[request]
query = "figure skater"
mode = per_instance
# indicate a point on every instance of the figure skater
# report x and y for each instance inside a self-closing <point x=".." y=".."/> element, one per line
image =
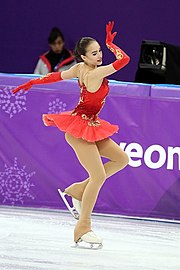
<point x="85" y="132"/>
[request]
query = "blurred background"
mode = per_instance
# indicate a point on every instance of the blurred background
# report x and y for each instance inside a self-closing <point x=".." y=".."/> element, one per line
<point x="25" y="26"/>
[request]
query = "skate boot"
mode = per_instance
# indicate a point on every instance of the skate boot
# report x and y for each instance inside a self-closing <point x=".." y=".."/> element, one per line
<point x="84" y="235"/>
<point x="75" y="209"/>
<point x="77" y="205"/>
<point x="76" y="192"/>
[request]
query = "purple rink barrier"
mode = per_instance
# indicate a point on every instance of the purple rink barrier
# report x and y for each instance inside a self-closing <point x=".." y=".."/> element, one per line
<point x="35" y="160"/>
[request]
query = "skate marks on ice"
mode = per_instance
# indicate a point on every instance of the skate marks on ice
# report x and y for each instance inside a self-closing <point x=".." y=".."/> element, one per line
<point x="42" y="240"/>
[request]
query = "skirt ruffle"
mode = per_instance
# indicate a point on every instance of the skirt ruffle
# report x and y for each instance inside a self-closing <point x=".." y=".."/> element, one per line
<point x="75" y="125"/>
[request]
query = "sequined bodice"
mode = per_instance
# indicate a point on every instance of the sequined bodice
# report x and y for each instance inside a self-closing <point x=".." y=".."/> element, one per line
<point x="90" y="103"/>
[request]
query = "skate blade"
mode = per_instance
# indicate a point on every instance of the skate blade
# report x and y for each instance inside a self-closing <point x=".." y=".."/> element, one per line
<point x="84" y="245"/>
<point x="72" y="210"/>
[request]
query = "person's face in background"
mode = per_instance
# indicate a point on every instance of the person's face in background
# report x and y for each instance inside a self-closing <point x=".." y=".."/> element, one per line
<point x="57" y="45"/>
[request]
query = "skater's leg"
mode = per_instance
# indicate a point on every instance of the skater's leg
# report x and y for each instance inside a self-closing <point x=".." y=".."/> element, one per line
<point x="76" y="189"/>
<point x="111" y="150"/>
<point x="118" y="160"/>
<point x="89" y="157"/>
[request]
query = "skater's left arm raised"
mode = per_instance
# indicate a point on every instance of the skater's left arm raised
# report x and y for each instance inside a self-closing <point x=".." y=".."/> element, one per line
<point x="122" y="59"/>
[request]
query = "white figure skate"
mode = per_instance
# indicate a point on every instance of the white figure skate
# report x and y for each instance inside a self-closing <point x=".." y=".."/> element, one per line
<point x="75" y="210"/>
<point x="90" y="241"/>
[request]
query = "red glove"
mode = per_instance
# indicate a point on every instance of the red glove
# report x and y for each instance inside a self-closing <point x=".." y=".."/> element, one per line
<point x="122" y="57"/>
<point x="49" y="78"/>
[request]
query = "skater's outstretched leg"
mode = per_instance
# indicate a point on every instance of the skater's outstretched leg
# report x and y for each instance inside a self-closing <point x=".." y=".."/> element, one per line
<point x="90" y="159"/>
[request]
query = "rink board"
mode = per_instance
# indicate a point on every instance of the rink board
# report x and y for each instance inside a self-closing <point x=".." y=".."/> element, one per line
<point x="35" y="160"/>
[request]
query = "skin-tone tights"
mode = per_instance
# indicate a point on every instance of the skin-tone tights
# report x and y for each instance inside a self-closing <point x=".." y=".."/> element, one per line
<point x="89" y="155"/>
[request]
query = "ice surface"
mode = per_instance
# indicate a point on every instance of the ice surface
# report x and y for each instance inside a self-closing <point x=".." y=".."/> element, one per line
<point x="41" y="239"/>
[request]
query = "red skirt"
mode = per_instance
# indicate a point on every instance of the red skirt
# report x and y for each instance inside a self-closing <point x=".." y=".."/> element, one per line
<point x="81" y="126"/>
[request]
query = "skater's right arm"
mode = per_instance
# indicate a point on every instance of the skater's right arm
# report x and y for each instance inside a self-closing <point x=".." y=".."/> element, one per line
<point x="70" y="73"/>
<point x="49" y="78"/>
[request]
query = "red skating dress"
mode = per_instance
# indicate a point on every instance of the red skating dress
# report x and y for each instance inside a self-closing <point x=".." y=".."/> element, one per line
<point x="83" y="122"/>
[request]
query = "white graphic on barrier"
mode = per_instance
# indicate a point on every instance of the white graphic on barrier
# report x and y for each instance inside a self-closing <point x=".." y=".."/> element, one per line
<point x="56" y="106"/>
<point x="15" y="184"/>
<point x="170" y="156"/>
<point x="10" y="103"/>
